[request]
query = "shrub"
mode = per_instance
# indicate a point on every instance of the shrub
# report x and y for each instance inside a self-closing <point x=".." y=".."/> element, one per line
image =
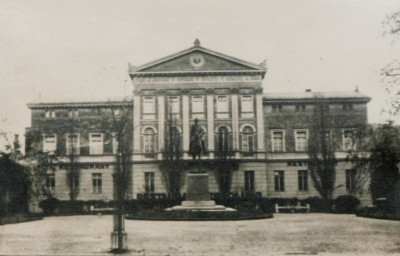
<point x="49" y="205"/>
<point x="346" y="204"/>
<point x="318" y="204"/>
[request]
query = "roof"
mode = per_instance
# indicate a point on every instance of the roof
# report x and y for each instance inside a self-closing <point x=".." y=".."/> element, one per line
<point x="146" y="69"/>
<point x="85" y="104"/>
<point x="307" y="96"/>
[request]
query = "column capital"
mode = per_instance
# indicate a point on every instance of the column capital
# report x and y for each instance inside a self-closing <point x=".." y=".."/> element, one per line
<point x="258" y="90"/>
<point x="234" y="90"/>
<point x="161" y="91"/>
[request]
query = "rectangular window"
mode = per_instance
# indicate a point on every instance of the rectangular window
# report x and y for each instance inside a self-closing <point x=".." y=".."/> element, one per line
<point x="303" y="180"/>
<point x="174" y="104"/>
<point x="96" y="143"/>
<point x="114" y="143"/>
<point x="348" y="143"/>
<point x="278" y="141"/>
<point x="300" y="108"/>
<point x="350" y="179"/>
<point x="328" y="136"/>
<point x="149" y="182"/>
<point x="149" y="107"/>
<point x="347" y="107"/>
<point x="174" y="107"/>
<point x="49" y="143"/>
<point x="97" y="183"/>
<point x="279" y="178"/>
<point x="51" y="182"/>
<point x="301" y="140"/>
<point x="73" y="113"/>
<point x="249" y="181"/>
<point x="72" y="143"/>
<point x="247" y="103"/>
<point x="222" y="104"/>
<point x="198" y="107"/>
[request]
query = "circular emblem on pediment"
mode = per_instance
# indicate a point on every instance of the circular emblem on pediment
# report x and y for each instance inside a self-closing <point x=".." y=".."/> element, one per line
<point x="197" y="60"/>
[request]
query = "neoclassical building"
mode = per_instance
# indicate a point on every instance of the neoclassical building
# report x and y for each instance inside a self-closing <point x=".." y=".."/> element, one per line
<point x="264" y="134"/>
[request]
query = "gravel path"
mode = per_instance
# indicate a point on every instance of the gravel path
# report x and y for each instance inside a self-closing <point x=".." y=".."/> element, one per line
<point x="285" y="234"/>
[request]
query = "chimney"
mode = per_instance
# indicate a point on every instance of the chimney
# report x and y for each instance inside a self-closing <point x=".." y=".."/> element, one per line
<point x="308" y="90"/>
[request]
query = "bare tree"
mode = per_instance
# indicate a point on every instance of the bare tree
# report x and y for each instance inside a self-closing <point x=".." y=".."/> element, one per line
<point x="321" y="151"/>
<point x="41" y="163"/>
<point x="172" y="166"/>
<point x="73" y="150"/>
<point x="224" y="166"/>
<point x="361" y="169"/>
<point x="117" y="121"/>
<point x="391" y="72"/>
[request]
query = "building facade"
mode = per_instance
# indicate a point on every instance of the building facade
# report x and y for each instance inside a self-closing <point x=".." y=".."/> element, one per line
<point x="264" y="134"/>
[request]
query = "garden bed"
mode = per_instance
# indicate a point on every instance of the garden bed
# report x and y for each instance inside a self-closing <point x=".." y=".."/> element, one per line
<point x="244" y="214"/>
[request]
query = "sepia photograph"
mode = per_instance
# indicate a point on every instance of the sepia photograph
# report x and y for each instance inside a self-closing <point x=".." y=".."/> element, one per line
<point x="163" y="128"/>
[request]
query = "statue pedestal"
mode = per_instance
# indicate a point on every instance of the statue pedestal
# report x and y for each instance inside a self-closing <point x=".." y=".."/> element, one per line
<point x="197" y="196"/>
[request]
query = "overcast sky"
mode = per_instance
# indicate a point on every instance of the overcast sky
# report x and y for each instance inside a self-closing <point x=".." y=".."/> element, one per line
<point x="79" y="50"/>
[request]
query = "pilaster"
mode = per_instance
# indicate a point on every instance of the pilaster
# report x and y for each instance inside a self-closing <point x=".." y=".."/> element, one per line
<point x="235" y="122"/>
<point x="161" y="123"/>
<point x="185" y="124"/>
<point x="136" y="124"/>
<point x="260" y="123"/>
<point x="210" y="125"/>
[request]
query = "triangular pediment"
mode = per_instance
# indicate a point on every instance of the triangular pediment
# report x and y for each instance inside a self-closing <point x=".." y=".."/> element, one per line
<point x="197" y="58"/>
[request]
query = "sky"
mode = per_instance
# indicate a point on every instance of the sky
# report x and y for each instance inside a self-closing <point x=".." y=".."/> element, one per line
<point x="79" y="50"/>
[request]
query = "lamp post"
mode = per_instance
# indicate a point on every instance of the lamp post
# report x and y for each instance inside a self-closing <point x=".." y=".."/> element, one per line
<point x="118" y="236"/>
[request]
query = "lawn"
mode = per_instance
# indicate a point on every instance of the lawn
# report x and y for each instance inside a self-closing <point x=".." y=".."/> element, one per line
<point x="285" y="234"/>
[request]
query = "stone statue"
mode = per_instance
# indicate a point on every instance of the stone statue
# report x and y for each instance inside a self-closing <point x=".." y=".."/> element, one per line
<point x="197" y="145"/>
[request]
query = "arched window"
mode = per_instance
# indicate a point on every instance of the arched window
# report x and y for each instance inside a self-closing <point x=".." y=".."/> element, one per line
<point x="149" y="141"/>
<point x="248" y="140"/>
<point x="223" y="142"/>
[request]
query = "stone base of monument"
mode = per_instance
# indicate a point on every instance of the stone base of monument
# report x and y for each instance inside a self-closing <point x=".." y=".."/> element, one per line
<point x="197" y="196"/>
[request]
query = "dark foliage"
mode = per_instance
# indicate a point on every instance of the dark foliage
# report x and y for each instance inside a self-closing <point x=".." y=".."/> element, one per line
<point x="318" y="204"/>
<point x="49" y="205"/>
<point x="346" y="204"/>
<point x="242" y="214"/>
<point x="14" y="185"/>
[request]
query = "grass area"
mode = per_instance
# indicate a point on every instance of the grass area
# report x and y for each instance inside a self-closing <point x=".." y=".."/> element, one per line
<point x="285" y="234"/>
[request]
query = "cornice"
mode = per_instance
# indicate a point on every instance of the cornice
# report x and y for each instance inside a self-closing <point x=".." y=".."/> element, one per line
<point x="73" y="105"/>
<point x="311" y="101"/>
<point x="198" y="73"/>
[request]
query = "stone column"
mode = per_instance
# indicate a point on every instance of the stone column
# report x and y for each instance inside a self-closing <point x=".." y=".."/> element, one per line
<point x="235" y="124"/>
<point x="210" y="125"/>
<point x="185" y="125"/>
<point x="161" y="124"/>
<point x="260" y="123"/>
<point x="136" y="127"/>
